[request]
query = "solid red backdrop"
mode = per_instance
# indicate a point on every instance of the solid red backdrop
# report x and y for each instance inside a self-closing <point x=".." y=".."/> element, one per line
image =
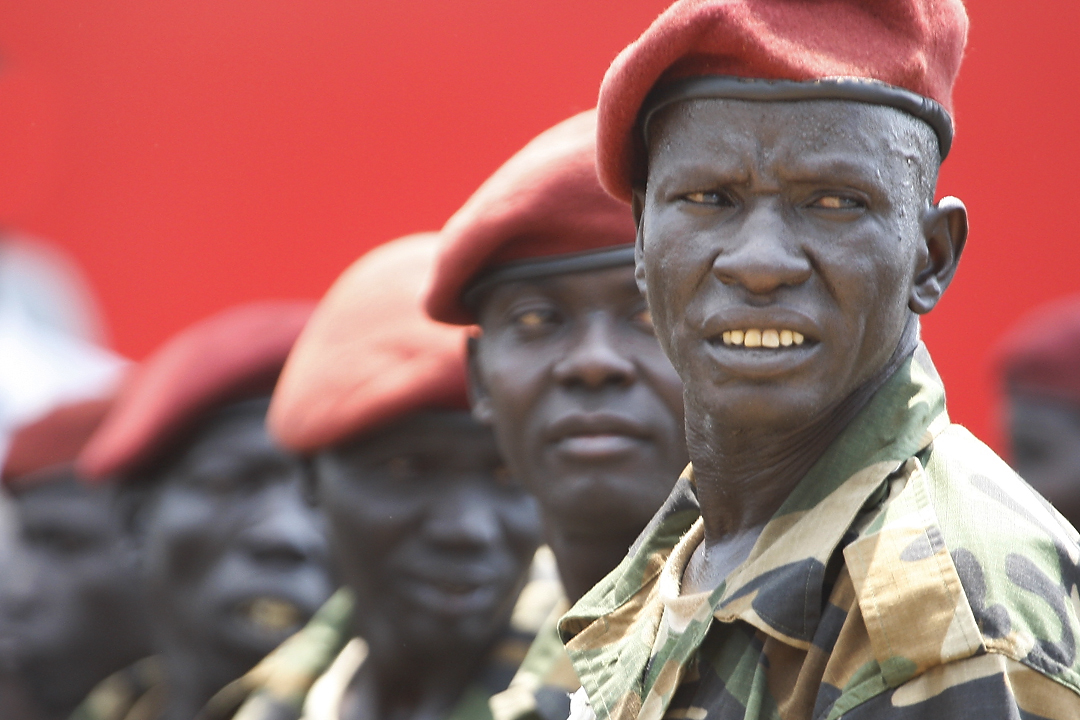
<point x="197" y="153"/>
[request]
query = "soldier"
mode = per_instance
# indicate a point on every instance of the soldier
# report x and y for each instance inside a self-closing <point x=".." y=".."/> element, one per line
<point x="232" y="554"/>
<point x="566" y="369"/>
<point x="1040" y="371"/>
<point x="70" y="613"/>
<point x="838" y="548"/>
<point x="432" y="538"/>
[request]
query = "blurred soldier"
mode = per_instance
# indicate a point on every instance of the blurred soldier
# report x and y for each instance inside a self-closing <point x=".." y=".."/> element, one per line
<point x="1040" y="369"/>
<point x="566" y="369"/>
<point x="232" y="555"/>
<point x="70" y="611"/>
<point x="432" y="537"/>
<point x="838" y="548"/>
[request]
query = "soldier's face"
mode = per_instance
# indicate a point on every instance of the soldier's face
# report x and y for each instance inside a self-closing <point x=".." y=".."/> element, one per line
<point x="1045" y="439"/>
<point x="428" y="530"/>
<point x="70" y="614"/>
<point x="233" y="553"/>
<point x="781" y="245"/>
<point x="586" y="407"/>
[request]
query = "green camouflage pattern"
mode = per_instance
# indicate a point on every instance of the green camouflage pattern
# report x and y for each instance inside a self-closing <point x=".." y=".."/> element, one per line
<point x="279" y="686"/>
<point x="542" y="686"/>
<point x="135" y="693"/>
<point x="911" y="574"/>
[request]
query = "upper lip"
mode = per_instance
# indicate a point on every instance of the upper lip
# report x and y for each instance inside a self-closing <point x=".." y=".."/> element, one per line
<point x="718" y="323"/>
<point x="585" y="424"/>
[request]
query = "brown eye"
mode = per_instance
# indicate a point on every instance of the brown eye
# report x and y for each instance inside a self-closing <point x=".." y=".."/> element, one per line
<point x="706" y="197"/>
<point x="534" y="319"/>
<point x="837" y="202"/>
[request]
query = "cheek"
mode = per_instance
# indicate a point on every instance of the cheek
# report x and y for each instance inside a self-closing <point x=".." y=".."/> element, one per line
<point x="184" y="540"/>
<point x="366" y="527"/>
<point x="521" y="522"/>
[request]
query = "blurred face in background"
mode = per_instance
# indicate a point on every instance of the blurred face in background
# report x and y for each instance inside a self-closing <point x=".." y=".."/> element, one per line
<point x="70" y="613"/>
<point x="233" y="555"/>
<point x="1045" y="442"/>
<point x="432" y="535"/>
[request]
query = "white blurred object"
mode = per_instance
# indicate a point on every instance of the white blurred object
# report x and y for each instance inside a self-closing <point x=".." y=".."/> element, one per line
<point x="50" y="335"/>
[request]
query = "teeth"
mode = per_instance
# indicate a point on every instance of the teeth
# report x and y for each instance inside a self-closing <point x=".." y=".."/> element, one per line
<point x="770" y="338"/>
<point x="273" y="614"/>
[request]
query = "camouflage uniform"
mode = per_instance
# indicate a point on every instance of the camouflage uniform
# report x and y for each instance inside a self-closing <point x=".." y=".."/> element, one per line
<point x="135" y="693"/>
<point x="304" y="678"/>
<point x="542" y="686"/>
<point x="910" y="574"/>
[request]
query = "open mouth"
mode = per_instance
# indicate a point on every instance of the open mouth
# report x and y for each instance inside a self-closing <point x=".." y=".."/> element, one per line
<point x="769" y="338"/>
<point x="272" y="614"/>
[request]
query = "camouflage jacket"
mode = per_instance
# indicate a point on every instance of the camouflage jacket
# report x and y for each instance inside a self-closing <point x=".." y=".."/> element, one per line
<point x="134" y="693"/>
<point x="910" y="574"/>
<point x="542" y="686"/>
<point x="305" y="677"/>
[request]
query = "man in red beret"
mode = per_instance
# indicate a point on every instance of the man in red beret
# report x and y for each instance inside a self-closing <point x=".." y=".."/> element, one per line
<point x="566" y="369"/>
<point x="1039" y="362"/>
<point x="431" y="537"/>
<point x="232" y="554"/>
<point x="837" y="548"/>
<point x="70" y="612"/>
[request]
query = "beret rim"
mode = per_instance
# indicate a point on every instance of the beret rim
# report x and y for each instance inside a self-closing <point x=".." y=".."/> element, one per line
<point x="858" y="89"/>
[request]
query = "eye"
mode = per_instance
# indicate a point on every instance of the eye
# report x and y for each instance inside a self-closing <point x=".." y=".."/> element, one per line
<point x="401" y="468"/>
<point x="534" y="319"/>
<point x="709" y="197"/>
<point x="504" y="478"/>
<point x="838" y="201"/>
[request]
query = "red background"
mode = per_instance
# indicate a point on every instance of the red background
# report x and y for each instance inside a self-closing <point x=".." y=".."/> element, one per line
<point x="197" y="153"/>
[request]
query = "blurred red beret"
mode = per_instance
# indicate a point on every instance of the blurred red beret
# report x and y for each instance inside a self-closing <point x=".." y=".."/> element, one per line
<point x="52" y="442"/>
<point x="900" y="53"/>
<point x="233" y="356"/>
<point x="1041" y="355"/>
<point x="370" y="355"/>
<point x="544" y="203"/>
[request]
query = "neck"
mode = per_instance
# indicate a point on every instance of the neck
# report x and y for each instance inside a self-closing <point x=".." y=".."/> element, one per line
<point x="390" y="686"/>
<point x="584" y="560"/>
<point x="743" y="478"/>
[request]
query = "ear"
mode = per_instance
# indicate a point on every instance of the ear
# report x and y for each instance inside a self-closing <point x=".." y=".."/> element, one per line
<point x="479" y="397"/>
<point x="637" y="204"/>
<point x="945" y="231"/>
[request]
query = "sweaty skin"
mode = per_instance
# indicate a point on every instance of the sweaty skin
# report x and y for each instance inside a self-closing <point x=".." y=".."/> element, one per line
<point x="1045" y="440"/>
<point x="435" y="541"/>
<point x="70" y="611"/>
<point x="814" y="217"/>
<point x="233" y="555"/>
<point x="586" y="408"/>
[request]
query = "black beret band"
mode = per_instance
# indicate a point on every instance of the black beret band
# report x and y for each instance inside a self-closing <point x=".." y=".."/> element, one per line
<point x="856" y="89"/>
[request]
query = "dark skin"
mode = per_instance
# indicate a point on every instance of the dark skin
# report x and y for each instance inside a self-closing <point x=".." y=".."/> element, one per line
<point x="586" y="408"/>
<point x="233" y="555"/>
<point x="70" y="614"/>
<point x="814" y="217"/>
<point x="1045" y="443"/>
<point x="435" y="541"/>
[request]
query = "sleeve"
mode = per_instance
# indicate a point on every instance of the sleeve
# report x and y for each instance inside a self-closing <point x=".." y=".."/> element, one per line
<point x="989" y="687"/>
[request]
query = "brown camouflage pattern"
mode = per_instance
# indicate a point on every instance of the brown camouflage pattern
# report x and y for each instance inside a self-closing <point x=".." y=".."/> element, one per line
<point x="542" y="686"/>
<point x="134" y="693"/>
<point x="911" y="574"/>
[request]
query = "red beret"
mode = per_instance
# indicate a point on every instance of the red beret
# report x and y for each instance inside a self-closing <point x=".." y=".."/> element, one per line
<point x="541" y="213"/>
<point x="233" y="356"/>
<point x="899" y="53"/>
<point x="1041" y="355"/>
<point x="53" y="441"/>
<point x="370" y="355"/>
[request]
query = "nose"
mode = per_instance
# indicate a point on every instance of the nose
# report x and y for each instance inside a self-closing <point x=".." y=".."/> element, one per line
<point x="287" y="532"/>
<point x="763" y="259"/>
<point x="596" y="360"/>
<point x="465" y="519"/>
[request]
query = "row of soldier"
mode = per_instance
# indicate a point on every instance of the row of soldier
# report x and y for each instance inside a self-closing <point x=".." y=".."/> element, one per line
<point x="449" y="490"/>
